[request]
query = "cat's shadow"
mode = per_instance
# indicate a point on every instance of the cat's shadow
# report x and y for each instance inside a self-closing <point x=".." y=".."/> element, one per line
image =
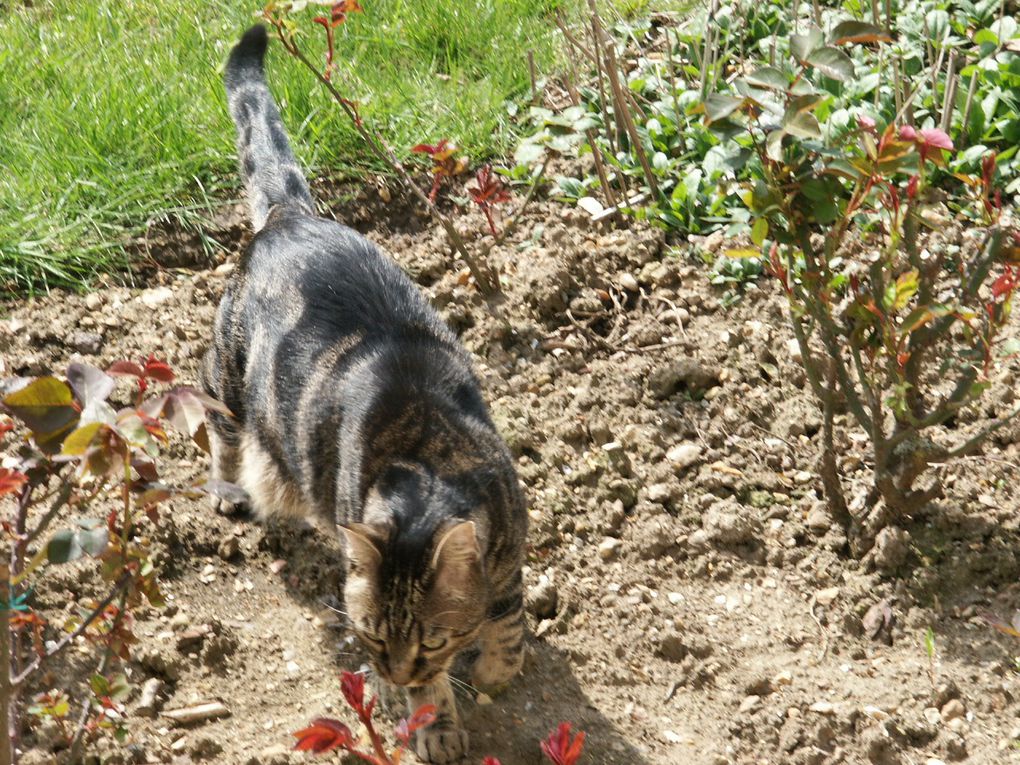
<point x="509" y="726"/>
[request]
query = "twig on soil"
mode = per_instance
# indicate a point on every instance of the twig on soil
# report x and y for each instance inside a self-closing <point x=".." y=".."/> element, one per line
<point x="821" y="628"/>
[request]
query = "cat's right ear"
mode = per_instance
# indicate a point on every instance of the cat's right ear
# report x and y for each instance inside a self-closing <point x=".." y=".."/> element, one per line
<point x="362" y="544"/>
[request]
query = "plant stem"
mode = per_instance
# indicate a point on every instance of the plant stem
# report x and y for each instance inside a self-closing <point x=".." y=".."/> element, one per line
<point x="488" y="284"/>
<point x="8" y="732"/>
<point x="118" y="589"/>
<point x="512" y="223"/>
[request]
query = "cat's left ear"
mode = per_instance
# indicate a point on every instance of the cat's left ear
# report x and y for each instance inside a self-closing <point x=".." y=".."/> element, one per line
<point x="362" y="548"/>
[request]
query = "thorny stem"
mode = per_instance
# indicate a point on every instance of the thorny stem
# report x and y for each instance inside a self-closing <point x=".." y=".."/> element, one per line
<point x="118" y="589"/>
<point x="8" y="723"/>
<point x="487" y="282"/>
<point x="79" y="733"/>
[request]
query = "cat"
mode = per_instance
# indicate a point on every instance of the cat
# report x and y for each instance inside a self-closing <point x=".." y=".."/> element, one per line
<point x="351" y="399"/>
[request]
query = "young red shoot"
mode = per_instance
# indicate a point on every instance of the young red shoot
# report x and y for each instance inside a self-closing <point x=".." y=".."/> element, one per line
<point x="560" y="749"/>
<point x="445" y="163"/>
<point x="488" y="191"/>
<point x="324" y="735"/>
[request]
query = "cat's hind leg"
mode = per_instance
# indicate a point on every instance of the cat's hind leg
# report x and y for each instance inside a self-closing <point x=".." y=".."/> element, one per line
<point x="224" y="461"/>
<point x="444" y="741"/>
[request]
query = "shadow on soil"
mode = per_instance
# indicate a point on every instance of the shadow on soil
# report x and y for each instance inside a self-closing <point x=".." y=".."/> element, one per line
<point x="512" y="725"/>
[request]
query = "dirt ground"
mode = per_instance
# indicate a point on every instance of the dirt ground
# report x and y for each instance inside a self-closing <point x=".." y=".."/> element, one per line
<point x="691" y="599"/>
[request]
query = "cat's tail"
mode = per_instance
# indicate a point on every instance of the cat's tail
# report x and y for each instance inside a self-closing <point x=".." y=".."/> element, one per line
<point x="270" y="172"/>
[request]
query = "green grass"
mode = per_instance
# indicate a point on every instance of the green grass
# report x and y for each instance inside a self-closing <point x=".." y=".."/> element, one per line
<point x="112" y="114"/>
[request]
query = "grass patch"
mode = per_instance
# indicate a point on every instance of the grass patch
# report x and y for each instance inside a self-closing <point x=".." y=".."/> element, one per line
<point x="113" y="116"/>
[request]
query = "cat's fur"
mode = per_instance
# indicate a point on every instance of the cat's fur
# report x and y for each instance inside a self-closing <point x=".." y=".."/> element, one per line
<point x="352" y="400"/>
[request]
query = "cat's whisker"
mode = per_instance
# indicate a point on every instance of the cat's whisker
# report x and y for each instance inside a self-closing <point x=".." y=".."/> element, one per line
<point x="463" y="685"/>
<point x="334" y="609"/>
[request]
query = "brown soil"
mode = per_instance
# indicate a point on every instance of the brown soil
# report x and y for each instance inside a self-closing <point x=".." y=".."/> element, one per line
<point x="705" y="609"/>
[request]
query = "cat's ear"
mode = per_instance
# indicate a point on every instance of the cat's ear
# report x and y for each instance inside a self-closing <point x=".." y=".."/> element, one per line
<point x="457" y="557"/>
<point x="362" y="543"/>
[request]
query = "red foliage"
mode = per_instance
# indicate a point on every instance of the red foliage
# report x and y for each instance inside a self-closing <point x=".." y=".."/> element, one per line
<point x="11" y="481"/>
<point x="559" y="747"/>
<point x="352" y="686"/>
<point x="444" y="162"/>
<point x="1006" y="283"/>
<point x="323" y="735"/>
<point x="422" y="718"/>
<point x="151" y="369"/>
<point x="489" y="191"/>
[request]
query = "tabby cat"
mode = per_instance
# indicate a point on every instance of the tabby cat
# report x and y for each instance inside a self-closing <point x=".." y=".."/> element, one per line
<point x="352" y="400"/>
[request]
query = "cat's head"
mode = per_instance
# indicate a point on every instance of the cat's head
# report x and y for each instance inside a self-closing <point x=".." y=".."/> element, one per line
<point x="415" y="599"/>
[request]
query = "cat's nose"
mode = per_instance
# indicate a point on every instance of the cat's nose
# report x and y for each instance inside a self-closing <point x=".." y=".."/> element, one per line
<point x="401" y="673"/>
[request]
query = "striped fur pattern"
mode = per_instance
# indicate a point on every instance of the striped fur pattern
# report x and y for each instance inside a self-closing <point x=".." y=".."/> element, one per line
<point x="270" y="172"/>
<point x="353" y="401"/>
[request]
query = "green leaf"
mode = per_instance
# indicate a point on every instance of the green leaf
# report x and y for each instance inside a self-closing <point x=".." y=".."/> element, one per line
<point x="832" y="62"/>
<point x="938" y="26"/>
<point x="774" y="145"/>
<point x="759" y="231"/>
<point x="801" y="125"/>
<point x="66" y="545"/>
<point x="768" y="77"/>
<point x="81" y="439"/>
<point x="45" y="405"/>
<point x="801" y="46"/>
<point x="906" y="288"/>
<point x="93" y="536"/>
<point x="805" y="102"/>
<point x="843" y="169"/>
<point x="852" y="31"/>
<point x="529" y="152"/>
<point x="63" y="547"/>
<point x="825" y="211"/>
<point x="742" y="253"/>
<point x="986" y="37"/>
<point x="718" y="106"/>
<point x="815" y="190"/>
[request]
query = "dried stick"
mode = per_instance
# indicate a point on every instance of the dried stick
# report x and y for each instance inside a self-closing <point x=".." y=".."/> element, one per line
<point x="534" y="77"/>
<point x="620" y="98"/>
<point x="949" y="95"/>
<point x="590" y="134"/>
<point x="971" y="92"/>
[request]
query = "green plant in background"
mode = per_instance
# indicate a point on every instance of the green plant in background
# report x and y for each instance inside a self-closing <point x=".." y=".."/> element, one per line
<point x="901" y="334"/>
<point x="952" y="67"/>
<point x="736" y="274"/>
<point x="114" y="120"/>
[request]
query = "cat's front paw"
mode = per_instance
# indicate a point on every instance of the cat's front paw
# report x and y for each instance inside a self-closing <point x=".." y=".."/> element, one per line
<point x="439" y="745"/>
<point x="223" y="506"/>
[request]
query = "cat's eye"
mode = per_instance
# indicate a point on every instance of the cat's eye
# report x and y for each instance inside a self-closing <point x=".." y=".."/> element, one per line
<point x="433" y="643"/>
<point x="373" y="640"/>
